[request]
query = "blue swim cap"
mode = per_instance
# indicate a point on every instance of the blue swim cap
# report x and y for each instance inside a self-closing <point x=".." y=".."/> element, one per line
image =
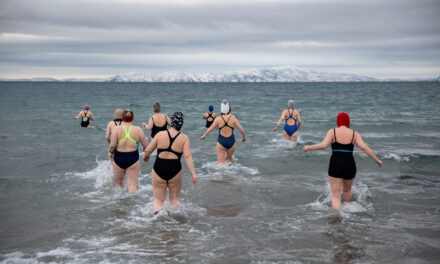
<point x="211" y="108"/>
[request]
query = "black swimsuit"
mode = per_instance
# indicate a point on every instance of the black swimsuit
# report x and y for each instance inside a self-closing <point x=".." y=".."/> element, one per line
<point x="342" y="164"/>
<point x="117" y="120"/>
<point x="157" y="129"/>
<point x="168" y="168"/>
<point x="209" y="123"/>
<point x="85" y="123"/>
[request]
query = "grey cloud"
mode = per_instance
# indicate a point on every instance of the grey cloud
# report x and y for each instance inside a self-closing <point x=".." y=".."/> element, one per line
<point x="374" y="31"/>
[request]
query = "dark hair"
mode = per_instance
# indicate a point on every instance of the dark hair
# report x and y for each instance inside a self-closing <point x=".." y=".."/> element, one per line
<point x="156" y="107"/>
<point x="127" y="115"/>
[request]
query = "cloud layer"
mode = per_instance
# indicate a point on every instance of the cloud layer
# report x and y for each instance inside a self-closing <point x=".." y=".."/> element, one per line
<point x="386" y="38"/>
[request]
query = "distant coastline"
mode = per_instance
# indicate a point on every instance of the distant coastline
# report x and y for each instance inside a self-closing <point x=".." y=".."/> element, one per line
<point x="287" y="74"/>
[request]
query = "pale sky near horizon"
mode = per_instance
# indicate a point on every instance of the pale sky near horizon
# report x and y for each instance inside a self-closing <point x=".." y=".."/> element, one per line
<point x="101" y="38"/>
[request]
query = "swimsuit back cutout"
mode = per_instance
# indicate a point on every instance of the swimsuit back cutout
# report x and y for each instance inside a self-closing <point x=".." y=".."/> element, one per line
<point x="226" y="124"/>
<point x="339" y="147"/>
<point x="210" y="116"/>
<point x="127" y="135"/>
<point x="178" y="154"/>
<point x="291" y="116"/>
<point x="85" y="116"/>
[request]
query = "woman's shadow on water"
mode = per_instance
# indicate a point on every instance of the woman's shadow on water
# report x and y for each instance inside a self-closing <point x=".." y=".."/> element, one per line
<point x="226" y="190"/>
<point x="343" y="250"/>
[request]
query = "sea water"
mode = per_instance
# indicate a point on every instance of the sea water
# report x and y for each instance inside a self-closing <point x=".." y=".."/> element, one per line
<point x="272" y="205"/>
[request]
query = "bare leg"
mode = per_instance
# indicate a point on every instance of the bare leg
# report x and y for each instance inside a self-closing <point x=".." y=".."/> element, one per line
<point x="230" y="152"/>
<point x="221" y="152"/>
<point x="175" y="185"/>
<point x="294" y="137"/>
<point x="119" y="175"/>
<point x="159" y="191"/>
<point x="132" y="173"/>
<point x="346" y="186"/>
<point x="335" y="185"/>
<point x="285" y="135"/>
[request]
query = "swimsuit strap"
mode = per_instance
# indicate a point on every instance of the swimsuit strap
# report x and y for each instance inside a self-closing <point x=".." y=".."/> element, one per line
<point x="171" y="140"/>
<point x="290" y="115"/>
<point x="334" y="131"/>
<point x="178" y="154"/>
<point x="352" y="137"/>
<point x="127" y="135"/>
<point x="226" y="122"/>
<point x="117" y="120"/>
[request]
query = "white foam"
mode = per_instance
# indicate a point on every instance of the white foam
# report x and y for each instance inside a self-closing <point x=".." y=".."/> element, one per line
<point x="360" y="194"/>
<point x="396" y="157"/>
<point x="213" y="169"/>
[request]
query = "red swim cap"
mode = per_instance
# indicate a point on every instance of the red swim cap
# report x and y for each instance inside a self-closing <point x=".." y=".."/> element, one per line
<point x="343" y="119"/>
<point x="127" y="116"/>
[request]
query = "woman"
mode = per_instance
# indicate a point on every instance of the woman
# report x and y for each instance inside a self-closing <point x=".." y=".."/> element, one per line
<point x="293" y="122"/>
<point x="167" y="169"/>
<point x="123" y="150"/>
<point x="209" y="116"/>
<point x="226" y="139"/>
<point x="342" y="168"/>
<point x="157" y="122"/>
<point x="85" y="116"/>
<point x="117" y="121"/>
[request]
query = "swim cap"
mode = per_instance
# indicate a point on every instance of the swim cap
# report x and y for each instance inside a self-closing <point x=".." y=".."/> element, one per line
<point x="343" y="119"/>
<point x="86" y="107"/>
<point x="127" y="115"/>
<point x="118" y="114"/>
<point x="211" y="108"/>
<point x="291" y="104"/>
<point x="177" y="120"/>
<point x="224" y="107"/>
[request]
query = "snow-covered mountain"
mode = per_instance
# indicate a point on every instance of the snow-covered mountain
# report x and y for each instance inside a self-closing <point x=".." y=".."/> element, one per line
<point x="277" y="74"/>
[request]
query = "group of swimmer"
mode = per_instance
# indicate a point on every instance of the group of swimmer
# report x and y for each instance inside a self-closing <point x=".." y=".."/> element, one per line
<point x="124" y="139"/>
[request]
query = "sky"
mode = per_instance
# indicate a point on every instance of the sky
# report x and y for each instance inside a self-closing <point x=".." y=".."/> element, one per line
<point x="102" y="38"/>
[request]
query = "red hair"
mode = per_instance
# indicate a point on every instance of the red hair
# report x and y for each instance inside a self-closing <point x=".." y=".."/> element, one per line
<point x="343" y="120"/>
<point x="127" y="116"/>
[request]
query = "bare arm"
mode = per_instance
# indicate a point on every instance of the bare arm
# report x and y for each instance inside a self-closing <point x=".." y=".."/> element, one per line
<point x="168" y="120"/>
<point x="279" y="121"/>
<point x="92" y="116"/>
<point x="324" y="144"/>
<point x="78" y="116"/>
<point x="209" y="130"/>
<point x="150" y="148"/>
<point x="364" y="147"/>
<point x="241" y="129"/>
<point x="189" y="160"/>
<point x="150" y="124"/>
<point x="205" y="115"/>
<point x="143" y="139"/>
<point x="299" y="120"/>
<point x="112" y="146"/>
<point x="107" y="133"/>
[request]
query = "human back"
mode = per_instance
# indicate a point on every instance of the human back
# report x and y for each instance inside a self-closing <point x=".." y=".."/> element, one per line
<point x="225" y="124"/>
<point x="163" y="142"/>
<point x="125" y="144"/>
<point x="291" y="116"/>
<point x="343" y="135"/>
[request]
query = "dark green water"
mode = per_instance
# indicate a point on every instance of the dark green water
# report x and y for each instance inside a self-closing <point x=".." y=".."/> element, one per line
<point x="271" y="206"/>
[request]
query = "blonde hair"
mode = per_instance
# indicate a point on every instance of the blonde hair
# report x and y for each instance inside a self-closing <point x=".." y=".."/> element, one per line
<point x="118" y="113"/>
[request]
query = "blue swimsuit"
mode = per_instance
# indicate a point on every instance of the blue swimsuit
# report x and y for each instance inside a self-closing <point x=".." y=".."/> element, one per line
<point x="226" y="142"/>
<point x="290" y="129"/>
